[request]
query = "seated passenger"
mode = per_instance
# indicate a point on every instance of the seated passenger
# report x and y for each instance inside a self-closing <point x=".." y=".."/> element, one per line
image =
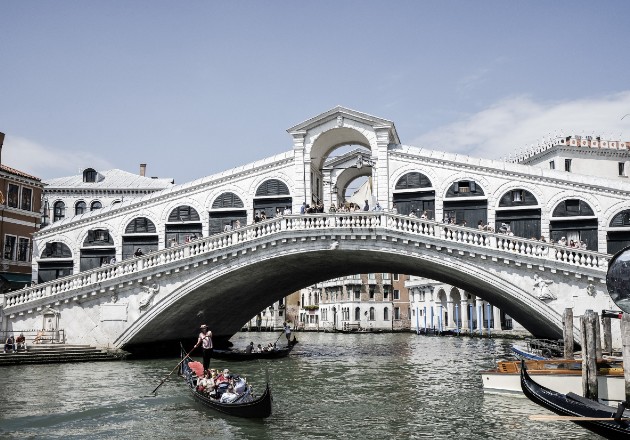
<point x="240" y="385"/>
<point x="259" y="349"/>
<point x="229" y="395"/>
<point x="249" y="348"/>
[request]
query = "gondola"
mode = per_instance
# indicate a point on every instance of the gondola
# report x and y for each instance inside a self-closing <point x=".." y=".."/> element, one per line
<point x="258" y="408"/>
<point x="239" y="355"/>
<point x="577" y="407"/>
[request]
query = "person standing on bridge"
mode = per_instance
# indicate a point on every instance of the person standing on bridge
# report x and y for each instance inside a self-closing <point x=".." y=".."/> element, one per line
<point x="205" y="339"/>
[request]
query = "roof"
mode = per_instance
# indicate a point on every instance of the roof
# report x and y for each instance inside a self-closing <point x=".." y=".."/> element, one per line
<point x="109" y="179"/>
<point x="18" y="173"/>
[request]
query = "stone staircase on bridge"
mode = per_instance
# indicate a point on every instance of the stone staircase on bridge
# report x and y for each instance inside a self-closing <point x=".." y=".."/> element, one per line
<point x="58" y="353"/>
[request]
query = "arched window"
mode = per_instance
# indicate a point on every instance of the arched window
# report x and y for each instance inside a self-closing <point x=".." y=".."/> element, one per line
<point x="95" y="205"/>
<point x="573" y="208"/>
<point x="517" y="197"/>
<point x="183" y="214"/>
<point x="140" y="225"/>
<point x="622" y="219"/>
<point x="98" y="237"/>
<point x="59" y="211"/>
<point x="272" y="187"/>
<point x="357" y="314"/>
<point x="386" y="314"/>
<point x="371" y="313"/>
<point x="89" y="175"/>
<point x="227" y="200"/>
<point x="413" y="180"/>
<point x="56" y="250"/>
<point x="79" y="208"/>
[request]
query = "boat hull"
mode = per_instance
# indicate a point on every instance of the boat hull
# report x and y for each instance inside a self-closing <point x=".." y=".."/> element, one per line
<point x="611" y="388"/>
<point x="576" y="406"/>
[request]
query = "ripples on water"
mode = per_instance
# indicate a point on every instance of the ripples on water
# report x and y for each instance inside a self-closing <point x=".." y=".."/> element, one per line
<point x="372" y="386"/>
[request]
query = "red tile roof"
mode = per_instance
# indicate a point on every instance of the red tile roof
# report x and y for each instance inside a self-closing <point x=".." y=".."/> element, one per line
<point x="18" y="172"/>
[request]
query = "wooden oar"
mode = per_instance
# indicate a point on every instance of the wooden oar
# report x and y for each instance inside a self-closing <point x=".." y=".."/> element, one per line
<point x="176" y="367"/>
<point x="281" y="333"/>
<point x="552" y="418"/>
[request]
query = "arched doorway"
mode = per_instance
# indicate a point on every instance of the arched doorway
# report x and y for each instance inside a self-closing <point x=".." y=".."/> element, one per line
<point x="183" y="225"/>
<point x="55" y="262"/>
<point x="465" y="203"/>
<point x="227" y="209"/>
<point x="518" y="209"/>
<point x="575" y="220"/>
<point x="141" y="234"/>
<point x="414" y="193"/>
<point x="272" y="195"/>
<point x="98" y="249"/>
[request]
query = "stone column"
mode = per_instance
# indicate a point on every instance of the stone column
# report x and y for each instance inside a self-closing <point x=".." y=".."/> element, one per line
<point x="380" y="170"/>
<point x="302" y="175"/>
<point x="450" y="310"/>
<point x="496" y="312"/>
<point x="479" y="310"/>
<point x="463" y="313"/>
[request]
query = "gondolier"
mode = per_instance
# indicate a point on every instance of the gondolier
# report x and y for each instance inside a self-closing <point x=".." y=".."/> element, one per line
<point x="205" y="339"/>
<point x="287" y="332"/>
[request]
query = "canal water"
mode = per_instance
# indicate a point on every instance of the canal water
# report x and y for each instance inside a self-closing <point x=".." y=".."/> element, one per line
<point x="333" y="386"/>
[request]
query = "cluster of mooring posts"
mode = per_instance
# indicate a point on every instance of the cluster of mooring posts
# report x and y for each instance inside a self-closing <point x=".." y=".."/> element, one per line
<point x="430" y="321"/>
<point x="592" y="349"/>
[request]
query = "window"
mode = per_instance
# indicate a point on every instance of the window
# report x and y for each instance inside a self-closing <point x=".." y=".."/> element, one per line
<point x="552" y="164"/>
<point x="89" y="175"/>
<point x="371" y="292"/>
<point x="357" y="314"/>
<point x="27" y="199"/>
<point x="517" y="196"/>
<point x="622" y="168"/>
<point x="567" y="165"/>
<point x="385" y="276"/>
<point x="95" y="205"/>
<point x="385" y="293"/>
<point x="13" y="195"/>
<point x="59" y="211"/>
<point x="9" y="247"/>
<point x="395" y="277"/>
<point x="386" y="314"/>
<point x="396" y="312"/>
<point x="371" y="276"/>
<point x="371" y="313"/>
<point x="22" y="250"/>
<point x="79" y="208"/>
<point x="572" y="207"/>
<point x="396" y="294"/>
<point x="357" y="294"/>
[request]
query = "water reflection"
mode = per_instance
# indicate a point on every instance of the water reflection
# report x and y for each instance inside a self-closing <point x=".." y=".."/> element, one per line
<point x="332" y="386"/>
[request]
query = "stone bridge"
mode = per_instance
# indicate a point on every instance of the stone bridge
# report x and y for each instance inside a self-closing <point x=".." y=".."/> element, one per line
<point x="225" y="279"/>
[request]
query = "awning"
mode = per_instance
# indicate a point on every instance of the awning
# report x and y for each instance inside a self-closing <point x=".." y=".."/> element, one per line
<point x="15" y="280"/>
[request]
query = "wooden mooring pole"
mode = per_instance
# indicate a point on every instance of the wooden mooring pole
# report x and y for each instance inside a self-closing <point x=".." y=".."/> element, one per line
<point x="589" y="323"/>
<point x="567" y="321"/>
<point x="625" y="342"/>
<point x="598" y="338"/>
<point x="607" y="329"/>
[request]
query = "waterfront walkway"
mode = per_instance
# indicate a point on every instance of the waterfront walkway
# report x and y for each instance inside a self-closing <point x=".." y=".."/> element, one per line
<point x="56" y="353"/>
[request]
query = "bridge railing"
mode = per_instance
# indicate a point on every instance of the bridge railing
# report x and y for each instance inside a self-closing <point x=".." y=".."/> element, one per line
<point x="354" y="222"/>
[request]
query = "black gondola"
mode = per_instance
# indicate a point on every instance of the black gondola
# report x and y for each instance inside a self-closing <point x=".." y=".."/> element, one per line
<point x="614" y="425"/>
<point x="238" y="355"/>
<point x="258" y="408"/>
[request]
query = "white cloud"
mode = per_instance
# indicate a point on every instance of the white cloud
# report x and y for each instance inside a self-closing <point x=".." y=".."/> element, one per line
<point x="47" y="162"/>
<point x="513" y="124"/>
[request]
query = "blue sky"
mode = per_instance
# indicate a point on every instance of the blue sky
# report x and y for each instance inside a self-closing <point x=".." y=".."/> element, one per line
<point x="193" y="88"/>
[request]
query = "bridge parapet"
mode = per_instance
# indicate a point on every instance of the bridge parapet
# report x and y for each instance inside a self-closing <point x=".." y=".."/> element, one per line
<point x="360" y="223"/>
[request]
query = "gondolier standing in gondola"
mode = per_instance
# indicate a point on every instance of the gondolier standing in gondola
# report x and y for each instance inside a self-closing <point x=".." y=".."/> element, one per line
<point x="205" y="339"/>
<point x="287" y="332"/>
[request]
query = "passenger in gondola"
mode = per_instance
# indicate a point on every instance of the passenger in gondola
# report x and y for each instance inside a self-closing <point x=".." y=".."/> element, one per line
<point x="229" y="395"/>
<point x="259" y="349"/>
<point x="249" y="348"/>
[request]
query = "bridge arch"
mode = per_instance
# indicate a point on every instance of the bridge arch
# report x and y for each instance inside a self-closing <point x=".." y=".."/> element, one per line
<point x="329" y="140"/>
<point x="210" y="293"/>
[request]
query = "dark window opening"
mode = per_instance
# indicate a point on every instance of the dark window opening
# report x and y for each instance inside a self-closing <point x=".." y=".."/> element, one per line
<point x="27" y="199"/>
<point x="95" y="205"/>
<point x="89" y="175"/>
<point x="59" y="209"/>
<point x="567" y="165"/>
<point x="552" y="165"/>
<point x="80" y="208"/>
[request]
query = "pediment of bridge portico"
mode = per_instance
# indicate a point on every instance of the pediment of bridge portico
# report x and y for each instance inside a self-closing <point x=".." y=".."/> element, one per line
<point x="340" y="126"/>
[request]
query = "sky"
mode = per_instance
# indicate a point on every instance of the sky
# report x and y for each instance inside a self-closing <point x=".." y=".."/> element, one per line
<point x="194" y="88"/>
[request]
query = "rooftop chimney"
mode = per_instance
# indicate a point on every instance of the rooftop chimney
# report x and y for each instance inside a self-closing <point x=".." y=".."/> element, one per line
<point x="143" y="169"/>
<point x="1" y="142"/>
